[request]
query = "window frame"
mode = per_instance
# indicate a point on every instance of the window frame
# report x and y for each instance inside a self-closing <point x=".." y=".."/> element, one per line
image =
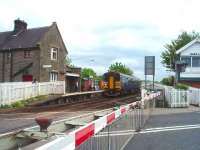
<point x="193" y="61"/>
<point x="54" y="50"/>
<point x="53" y="76"/>
<point x="27" y="53"/>
<point x="188" y="65"/>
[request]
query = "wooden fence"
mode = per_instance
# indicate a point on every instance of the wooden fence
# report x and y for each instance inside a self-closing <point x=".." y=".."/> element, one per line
<point x="16" y="91"/>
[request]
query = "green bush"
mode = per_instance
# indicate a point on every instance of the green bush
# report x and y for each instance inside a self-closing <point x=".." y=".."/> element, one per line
<point x="18" y="104"/>
<point x="169" y="81"/>
<point x="181" y="86"/>
<point x="5" y="106"/>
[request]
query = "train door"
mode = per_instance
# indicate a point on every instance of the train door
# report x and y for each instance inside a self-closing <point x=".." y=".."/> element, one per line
<point x="111" y="82"/>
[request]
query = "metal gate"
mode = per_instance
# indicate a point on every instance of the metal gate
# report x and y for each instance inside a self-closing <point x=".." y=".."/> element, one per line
<point x="117" y="134"/>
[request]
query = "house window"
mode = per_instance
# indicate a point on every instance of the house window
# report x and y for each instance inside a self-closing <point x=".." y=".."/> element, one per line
<point x="187" y="60"/>
<point x="54" y="53"/>
<point x="195" y="61"/>
<point x="27" y="54"/>
<point x="53" y="76"/>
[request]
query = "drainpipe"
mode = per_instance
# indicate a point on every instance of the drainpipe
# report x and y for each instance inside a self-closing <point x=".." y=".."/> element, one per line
<point x="3" y="67"/>
<point x="11" y="66"/>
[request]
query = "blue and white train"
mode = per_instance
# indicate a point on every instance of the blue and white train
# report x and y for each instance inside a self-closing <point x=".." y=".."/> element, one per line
<point x="116" y="84"/>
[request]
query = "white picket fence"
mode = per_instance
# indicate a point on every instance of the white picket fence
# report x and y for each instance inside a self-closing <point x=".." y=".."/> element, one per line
<point x="16" y="91"/>
<point x="181" y="98"/>
<point x="176" y="98"/>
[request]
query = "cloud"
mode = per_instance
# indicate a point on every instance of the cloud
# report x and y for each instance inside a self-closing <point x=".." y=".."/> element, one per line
<point x="107" y="31"/>
<point x="131" y="39"/>
<point x="131" y="62"/>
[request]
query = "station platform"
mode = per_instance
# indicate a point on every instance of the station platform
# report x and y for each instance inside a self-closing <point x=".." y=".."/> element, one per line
<point x="66" y="98"/>
<point x="81" y="93"/>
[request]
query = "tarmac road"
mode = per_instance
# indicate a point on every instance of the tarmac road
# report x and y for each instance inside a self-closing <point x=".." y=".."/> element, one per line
<point x="180" y="130"/>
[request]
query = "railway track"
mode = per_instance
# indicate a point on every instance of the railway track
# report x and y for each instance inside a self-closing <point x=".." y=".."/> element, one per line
<point x="98" y="102"/>
<point x="19" y="119"/>
<point x="114" y="102"/>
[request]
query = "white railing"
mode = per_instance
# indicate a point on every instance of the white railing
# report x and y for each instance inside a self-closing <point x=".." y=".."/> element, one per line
<point x="16" y="91"/>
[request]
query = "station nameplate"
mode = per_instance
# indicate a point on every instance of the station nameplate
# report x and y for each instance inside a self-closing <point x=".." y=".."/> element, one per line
<point x="195" y="54"/>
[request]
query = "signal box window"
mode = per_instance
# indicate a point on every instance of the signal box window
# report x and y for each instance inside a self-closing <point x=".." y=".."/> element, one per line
<point x="196" y="61"/>
<point x="187" y="60"/>
<point x="54" y="53"/>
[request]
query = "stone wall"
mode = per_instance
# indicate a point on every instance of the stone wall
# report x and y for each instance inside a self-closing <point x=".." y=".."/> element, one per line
<point x="52" y="39"/>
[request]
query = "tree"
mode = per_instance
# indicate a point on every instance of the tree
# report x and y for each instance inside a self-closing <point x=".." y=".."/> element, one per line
<point x="168" y="81"/>
<point x="169" y="55"/>
<point x="119" y="67"/>
<point x="99" y="77"/>
<point x="88" y="73"/>
<point x="68" y="61"/>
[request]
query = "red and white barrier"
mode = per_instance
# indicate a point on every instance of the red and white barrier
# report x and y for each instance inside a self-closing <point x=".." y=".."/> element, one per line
<point x="100" y="124"/>
<point x="84" y="134"/>
<point x="79" y="136"/>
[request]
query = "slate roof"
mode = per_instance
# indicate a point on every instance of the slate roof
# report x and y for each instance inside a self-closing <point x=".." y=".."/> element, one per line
<point x="24" y="39"/>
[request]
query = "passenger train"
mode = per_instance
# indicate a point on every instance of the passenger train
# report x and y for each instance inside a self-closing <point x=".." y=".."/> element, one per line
<point x="116" y="84"/>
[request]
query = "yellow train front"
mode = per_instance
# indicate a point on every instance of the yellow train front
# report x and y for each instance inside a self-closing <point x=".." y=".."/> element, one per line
<point x="116" y="84"/>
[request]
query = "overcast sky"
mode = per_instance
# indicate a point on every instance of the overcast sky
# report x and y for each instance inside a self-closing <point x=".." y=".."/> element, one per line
<point x="100" y="32"/>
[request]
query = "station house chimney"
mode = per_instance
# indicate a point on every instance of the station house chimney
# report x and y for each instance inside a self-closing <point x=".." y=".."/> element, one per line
<point x="19" y="25"/>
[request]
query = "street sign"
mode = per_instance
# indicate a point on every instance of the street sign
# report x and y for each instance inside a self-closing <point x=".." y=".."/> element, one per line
<point x="149" y="68"/>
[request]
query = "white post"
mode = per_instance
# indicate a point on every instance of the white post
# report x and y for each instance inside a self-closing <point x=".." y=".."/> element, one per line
<point x="39" y="89"/>
<point x="9" y="91"/>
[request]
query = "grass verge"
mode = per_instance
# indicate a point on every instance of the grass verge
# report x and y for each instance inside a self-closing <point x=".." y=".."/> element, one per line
<point x="24" y="103"/>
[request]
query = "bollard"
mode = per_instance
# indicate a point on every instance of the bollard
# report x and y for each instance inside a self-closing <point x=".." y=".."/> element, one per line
<point x="44" y="123"/>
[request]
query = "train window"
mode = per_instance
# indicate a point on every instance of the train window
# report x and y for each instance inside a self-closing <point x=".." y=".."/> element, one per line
<point x="122" y="78"/>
